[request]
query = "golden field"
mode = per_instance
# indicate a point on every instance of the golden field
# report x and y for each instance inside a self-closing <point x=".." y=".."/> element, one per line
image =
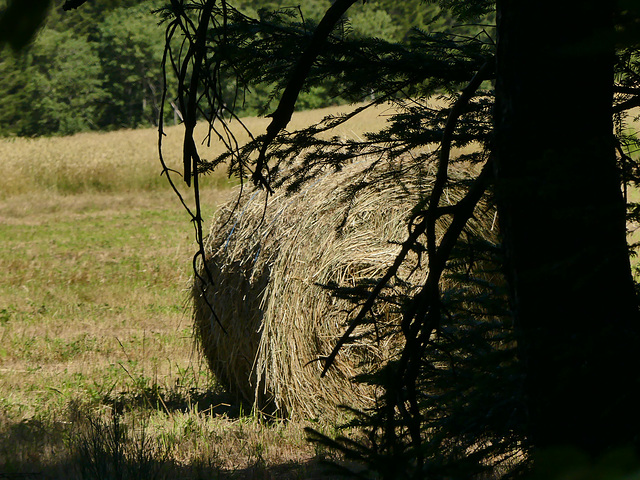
<point x="127" y="160"/>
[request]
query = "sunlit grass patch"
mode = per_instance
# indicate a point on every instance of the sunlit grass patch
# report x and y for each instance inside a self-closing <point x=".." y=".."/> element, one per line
<point x="95" y="331"/>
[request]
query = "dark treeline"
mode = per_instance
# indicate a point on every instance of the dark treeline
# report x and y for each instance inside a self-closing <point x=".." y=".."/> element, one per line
<point x="98" y="67"/>
<point x="94" y="68"/>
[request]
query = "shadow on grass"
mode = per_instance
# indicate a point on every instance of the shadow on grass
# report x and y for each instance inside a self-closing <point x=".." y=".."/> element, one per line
<point x="213" y="402"/>
<point x="72" y="469"/>
<point x="154" y="434"/>
<point x="110" y="450"/>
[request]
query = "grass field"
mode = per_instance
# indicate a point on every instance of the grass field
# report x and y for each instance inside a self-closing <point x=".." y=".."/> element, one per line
<point x="99" y="376"/>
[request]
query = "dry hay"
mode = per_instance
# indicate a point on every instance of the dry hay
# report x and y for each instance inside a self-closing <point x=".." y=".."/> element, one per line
<point x="268" y="266"/>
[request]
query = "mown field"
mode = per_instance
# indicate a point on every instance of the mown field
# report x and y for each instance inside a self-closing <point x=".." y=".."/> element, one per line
<point x="99" y="374"/>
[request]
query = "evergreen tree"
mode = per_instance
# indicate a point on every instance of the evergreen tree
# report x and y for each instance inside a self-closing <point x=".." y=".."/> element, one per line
<point x="563" y="220"/>
<point x="552" y="366"/>
<point x="131" y="53"/>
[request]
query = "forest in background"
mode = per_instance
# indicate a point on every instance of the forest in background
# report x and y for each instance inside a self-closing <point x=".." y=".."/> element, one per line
<point x="98" y="67"/>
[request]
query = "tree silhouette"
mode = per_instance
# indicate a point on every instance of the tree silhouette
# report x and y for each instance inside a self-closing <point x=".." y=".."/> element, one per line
<point x="562" y="215"/>
<point x="544" y="101"/>
<point x="547" y="151"/>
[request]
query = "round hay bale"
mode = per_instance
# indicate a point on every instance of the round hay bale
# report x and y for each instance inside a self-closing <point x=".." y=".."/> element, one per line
<point x="270" y="262"/>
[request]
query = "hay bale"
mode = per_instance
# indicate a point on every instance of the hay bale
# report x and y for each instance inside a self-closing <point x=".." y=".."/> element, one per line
<point x="268" y="266"/>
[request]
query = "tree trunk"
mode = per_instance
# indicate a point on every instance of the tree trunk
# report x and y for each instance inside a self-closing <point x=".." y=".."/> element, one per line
<point x="562" y="217"/>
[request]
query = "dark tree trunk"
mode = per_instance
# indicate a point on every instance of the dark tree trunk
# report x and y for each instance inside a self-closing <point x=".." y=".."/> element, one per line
<point x="562" y="217"/>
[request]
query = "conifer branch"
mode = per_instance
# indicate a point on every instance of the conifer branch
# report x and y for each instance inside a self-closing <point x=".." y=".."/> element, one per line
<point x="626" y="105"/>
<point x="72" y="4"/>
<point x="190" y="152"/>
<point x="197" y="216"/>
<point x="281" y="116"/>
<point x="442" y="174"/>
<point x="461" y="212"/>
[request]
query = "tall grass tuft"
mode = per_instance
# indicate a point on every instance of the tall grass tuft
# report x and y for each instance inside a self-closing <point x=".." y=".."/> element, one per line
<point x="114" y="449"/>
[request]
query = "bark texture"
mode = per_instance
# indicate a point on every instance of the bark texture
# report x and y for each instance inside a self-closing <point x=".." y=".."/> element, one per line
<point x="563" y="221"/>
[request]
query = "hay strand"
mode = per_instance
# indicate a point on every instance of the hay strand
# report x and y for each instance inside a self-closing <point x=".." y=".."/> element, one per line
<point x="270" y="267"/>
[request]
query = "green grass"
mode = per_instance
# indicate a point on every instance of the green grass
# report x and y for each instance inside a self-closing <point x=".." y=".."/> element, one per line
<point x="99" y="375"/>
